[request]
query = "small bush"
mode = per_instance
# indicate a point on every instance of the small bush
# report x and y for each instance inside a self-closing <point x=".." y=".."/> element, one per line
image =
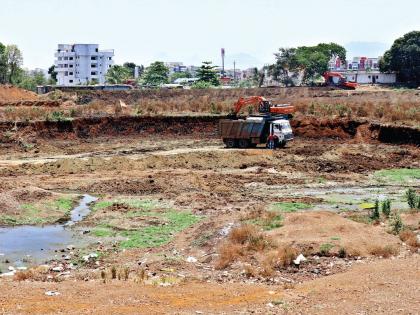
<point x="324" y="249"/>
<point x="228" y="253"/>
<point x="342" y="253"/>
<point x="410" y="238"/>
<point x="375" y="211"/>
<point x="384" y="251"/>
<point x="242" y="234"/>
<point x="386" y="208"/>
<point x="411" y="198"/>
<point x="277" y="259"/>
<point x="396" y="223"/>
<point x="113" y="272"/>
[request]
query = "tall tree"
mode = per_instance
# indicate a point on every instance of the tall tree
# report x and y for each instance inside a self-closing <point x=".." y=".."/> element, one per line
<point x="286" y="63"/>
<point x="310" y="61"/>
<point x="313" y="60"/>
<point x="14" y="62"/>
<point x="3" y="64"/>
<point x="53" y="74"/>
<point x="117" y="74"/>
<point x="207" y="73"/>
<point x="31" y="79"/>
<point x="404" y="58"/>
<point x="156" y="74"/>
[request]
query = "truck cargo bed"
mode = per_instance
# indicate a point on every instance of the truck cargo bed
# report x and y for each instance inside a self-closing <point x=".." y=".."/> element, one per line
<point x="241" y="129"/>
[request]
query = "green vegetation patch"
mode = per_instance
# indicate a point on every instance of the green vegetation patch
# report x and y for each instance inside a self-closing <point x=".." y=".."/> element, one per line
<point x="401" y="175"/>
<point x="268" y="223"/>
<point x="153" y="236"/>
<point x="290" y="206"/>
<point x="135" y="203"/>
<point x="42" y="212"/>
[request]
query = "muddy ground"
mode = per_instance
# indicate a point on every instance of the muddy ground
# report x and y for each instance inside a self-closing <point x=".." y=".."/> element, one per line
<point x="179" y="224"/>
<point x="166" y="211"/>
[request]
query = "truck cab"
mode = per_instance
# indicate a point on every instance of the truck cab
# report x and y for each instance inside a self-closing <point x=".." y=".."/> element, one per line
<point x="281" y="129"/>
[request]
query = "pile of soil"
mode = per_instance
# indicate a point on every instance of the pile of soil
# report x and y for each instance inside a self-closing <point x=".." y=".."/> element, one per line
<point x="303" y="230"/>
<point x="10" y="93"/>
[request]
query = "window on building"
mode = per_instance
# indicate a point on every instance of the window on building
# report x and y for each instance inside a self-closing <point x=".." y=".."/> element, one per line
<point x="66" y="58"/>
<point x="109" y="58"/>
<point x="66" y="73"/>
<point x="93" y="65"/>
<point x="368" y="76"/>
<point x="60" y="58"/>
<point x="93" y="58"/>
<point x="93" y="73"/>
<point x="96" y="49"/>
<point x="70" y="73"/>
<point x="70" y="58"/>
<point x="377" y="76"/>
<point x="66" y="65"/>
<point x="70" y="66"/>
<point x="71" y="81"/>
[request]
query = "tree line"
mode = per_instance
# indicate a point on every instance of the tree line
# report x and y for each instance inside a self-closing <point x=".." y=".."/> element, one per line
<point x="303" y="64"/>
<point x="157" y="74"/>
<point x="11" y="71"/>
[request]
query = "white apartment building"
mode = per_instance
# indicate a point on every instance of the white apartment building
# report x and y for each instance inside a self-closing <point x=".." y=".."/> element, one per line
<point x="80" y="64"/>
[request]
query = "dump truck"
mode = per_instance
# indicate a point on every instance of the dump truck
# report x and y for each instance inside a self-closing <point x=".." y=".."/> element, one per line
<point x="272" y="130"/>
<point x="270" y="126"/>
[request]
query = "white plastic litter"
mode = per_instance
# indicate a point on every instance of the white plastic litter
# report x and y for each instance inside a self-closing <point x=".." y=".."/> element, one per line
<point x="299" y="259"/>
<point x="191" y="259"/>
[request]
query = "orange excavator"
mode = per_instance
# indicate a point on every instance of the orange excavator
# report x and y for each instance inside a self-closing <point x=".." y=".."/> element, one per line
<point x="263" y="106"/>
<point x="338" y="80"/>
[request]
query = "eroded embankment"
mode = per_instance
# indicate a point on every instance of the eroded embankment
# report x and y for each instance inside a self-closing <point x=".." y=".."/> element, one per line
<point x="205" y="127"/>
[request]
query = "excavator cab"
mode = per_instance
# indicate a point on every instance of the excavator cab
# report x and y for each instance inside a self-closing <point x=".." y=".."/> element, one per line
<point x="264" y="106"/>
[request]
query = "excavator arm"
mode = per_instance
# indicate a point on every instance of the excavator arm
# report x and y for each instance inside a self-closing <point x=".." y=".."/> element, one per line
<point x="257" y="101"/>
<point x="262" y="106"/>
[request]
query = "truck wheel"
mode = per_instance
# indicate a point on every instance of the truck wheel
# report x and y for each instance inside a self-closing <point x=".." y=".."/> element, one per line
<point x="282" y="144"/>
<point x="230" y="143"/>
<point x="243" y="143"/>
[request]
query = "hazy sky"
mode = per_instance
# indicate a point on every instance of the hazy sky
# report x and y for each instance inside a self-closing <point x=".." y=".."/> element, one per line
<point x="251" y="31"/>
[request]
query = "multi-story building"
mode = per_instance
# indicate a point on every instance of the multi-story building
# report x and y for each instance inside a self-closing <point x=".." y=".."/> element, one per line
<point x="358" y="63"/>
<point x="81" y="64"/>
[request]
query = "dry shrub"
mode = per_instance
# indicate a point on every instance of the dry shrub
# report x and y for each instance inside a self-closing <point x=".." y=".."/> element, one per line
<point x="241" y="241"/>
<point x="384" y="251"/>
<point x="35" y="274"/>
<point x="23" y="275"/>
<point x="228" y="253"/>
<point x="250" y="271"/>
<point x="277" y="259"/>
<point x="410" y="238"/>
<point x="242" y="234"/>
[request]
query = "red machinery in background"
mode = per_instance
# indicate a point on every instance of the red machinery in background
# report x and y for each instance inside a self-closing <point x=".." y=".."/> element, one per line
<point x="338" y="80"/>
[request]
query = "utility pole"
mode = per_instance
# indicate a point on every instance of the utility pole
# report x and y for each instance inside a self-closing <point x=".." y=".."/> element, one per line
<point x="223" y="62"/>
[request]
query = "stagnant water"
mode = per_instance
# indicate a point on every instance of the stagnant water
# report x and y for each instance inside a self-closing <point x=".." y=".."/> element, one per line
<point x="27" y="244"/>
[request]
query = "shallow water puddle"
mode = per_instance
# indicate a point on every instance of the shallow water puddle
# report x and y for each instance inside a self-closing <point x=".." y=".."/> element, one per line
<point x="29" y="245"/>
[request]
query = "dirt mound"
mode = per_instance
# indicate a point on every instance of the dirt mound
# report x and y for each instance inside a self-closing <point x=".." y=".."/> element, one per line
<point x="10" y="93"/>
<point x="8" y="204"/>
<point x="30" y="194"/>
<point x="303" y="230"/>
<point x="206" y="126"/>
<point x="124" y="186"/>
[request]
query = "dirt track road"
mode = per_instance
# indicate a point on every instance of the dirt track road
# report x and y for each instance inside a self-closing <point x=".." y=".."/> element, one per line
<point x="383" y="287"/>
